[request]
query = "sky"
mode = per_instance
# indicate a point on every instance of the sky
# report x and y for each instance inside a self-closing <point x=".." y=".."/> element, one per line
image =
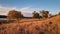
<point x="28" y="6"/>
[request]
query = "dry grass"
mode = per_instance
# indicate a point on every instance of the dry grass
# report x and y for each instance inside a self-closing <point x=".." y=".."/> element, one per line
<point x="32" y="26"/>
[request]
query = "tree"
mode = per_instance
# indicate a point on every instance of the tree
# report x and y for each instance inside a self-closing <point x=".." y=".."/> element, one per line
<point x="50" y="15"/>
<point x="35" y="14"/>
<point x="20" y="15"/>
<point x="13" y="14"/>
<point x="44" y="13"/>
<point x="59" y="13"/>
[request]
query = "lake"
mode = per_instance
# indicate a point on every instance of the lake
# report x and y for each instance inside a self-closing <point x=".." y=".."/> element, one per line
<point x="6" y="19"/>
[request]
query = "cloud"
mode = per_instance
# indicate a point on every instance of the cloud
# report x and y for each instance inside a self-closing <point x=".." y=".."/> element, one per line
<point x="4" y="10"/>
<point x="26" y="11"/>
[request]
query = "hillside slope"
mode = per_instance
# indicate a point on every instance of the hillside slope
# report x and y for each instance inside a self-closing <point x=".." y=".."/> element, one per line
<point x="33" y="26"/>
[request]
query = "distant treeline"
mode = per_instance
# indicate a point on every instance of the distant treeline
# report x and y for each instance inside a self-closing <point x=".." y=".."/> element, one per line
<point x="3" y="16"/>
<point x="13" y="14"/>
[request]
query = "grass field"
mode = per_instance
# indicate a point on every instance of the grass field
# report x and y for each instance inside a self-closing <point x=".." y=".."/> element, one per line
<point x="32" y="26"/>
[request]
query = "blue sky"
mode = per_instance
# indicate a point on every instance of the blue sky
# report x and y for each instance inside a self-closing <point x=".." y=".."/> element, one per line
<point x="27" y="6"/>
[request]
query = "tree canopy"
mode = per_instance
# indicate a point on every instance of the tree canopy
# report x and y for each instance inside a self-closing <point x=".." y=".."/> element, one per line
<point x="13" y="14"/>
<point x="44" y="13"/>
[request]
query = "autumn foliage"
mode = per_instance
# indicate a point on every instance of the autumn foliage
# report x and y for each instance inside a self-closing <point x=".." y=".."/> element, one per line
<point x="13" y="14"/>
